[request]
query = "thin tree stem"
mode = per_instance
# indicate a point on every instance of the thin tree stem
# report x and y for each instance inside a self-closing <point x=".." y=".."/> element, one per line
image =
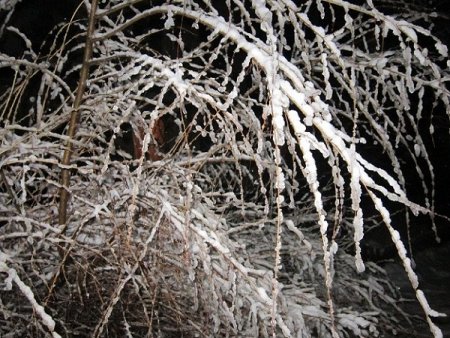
<point x="74" y="118"/>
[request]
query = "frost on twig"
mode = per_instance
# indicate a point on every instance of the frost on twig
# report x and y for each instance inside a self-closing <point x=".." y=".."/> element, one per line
<point x="243" y="211"/>
<point x="46" y="319"/>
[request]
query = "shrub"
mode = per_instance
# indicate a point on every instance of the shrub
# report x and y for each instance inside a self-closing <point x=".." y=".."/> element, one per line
<point x="202" y="168"/>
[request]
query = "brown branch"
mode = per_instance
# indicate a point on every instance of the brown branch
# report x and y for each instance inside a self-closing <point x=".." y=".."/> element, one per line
<point x="74" y="118"/>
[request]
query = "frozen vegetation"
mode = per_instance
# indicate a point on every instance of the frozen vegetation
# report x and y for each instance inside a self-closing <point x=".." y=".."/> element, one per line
<point x="202" y="168"/>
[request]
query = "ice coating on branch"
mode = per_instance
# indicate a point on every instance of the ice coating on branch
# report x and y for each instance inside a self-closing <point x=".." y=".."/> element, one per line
<point x="169" y="23"/>
<point x="280" y="179"/>
<point x="47" y="320"/>
<point x="294" y="120"/>
<point x="263" y="13"/>
<point x="278" y="102"/>
<point x="326" y="76"/>
<point x="441" y="48"/>
<point x="409" y="31"/>
<point x="358" y="226"/>
<point x="7" y="5"/>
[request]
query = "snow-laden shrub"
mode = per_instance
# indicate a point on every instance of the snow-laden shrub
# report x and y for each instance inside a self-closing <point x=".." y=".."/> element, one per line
<point x="234" y="221"/>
